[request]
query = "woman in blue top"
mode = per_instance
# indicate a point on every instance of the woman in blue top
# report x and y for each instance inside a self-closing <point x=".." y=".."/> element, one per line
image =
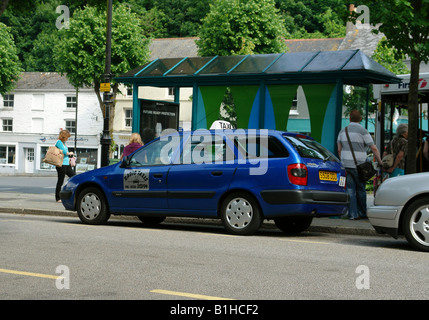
<point x="65" y="169"/>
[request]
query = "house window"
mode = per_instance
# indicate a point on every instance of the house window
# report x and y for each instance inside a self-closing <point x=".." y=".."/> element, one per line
<point x="71" y="126"/>
<point x="171" y="91"/>
<point x="128" y="118"/>
<point x="71" y="102"/>
<point x="8" y="100"/>
<point x="7" y="125"/>
<point x="129" y="91"/>
<point x="7" y="154"/>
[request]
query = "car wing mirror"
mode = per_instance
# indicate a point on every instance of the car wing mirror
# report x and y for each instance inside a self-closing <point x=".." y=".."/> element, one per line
<point x="125" y="162"/>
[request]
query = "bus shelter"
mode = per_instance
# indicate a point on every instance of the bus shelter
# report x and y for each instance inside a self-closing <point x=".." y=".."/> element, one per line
<point x="263" y="86"/>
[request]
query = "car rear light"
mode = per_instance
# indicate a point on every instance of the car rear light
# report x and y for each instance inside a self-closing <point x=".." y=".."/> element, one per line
<point x="297" y="173"/>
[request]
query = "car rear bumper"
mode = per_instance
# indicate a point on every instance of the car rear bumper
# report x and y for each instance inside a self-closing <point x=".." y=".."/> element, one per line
<point x="305" y="197"/>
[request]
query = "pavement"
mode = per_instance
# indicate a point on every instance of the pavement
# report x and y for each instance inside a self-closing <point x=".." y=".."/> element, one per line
<point x="44" y="204"/>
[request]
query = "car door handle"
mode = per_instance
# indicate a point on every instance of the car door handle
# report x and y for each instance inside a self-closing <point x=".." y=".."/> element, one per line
<point x="157" y="175"/>
<point x="217" y="173"/>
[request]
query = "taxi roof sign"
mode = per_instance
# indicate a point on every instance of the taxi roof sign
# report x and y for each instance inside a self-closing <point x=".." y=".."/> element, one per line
<point x="221" y="124"/>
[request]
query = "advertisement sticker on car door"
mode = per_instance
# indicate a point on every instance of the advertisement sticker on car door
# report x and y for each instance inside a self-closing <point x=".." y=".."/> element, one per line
<point x="136" y="179"/>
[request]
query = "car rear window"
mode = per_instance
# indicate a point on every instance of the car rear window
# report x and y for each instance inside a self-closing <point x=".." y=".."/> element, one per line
<point x="311" y="149"/>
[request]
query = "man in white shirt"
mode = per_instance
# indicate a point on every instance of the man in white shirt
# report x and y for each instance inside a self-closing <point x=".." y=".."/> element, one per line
<point x="361" y="140"/>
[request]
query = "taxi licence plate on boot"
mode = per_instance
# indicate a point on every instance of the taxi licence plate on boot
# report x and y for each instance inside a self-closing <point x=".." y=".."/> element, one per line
<point x="328" y="175"/>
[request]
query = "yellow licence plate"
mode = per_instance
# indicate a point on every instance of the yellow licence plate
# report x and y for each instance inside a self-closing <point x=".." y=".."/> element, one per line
<point x="328" y="175"/>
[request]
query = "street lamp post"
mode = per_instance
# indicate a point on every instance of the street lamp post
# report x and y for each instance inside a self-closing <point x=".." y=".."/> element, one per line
<point x="107" y="95"/>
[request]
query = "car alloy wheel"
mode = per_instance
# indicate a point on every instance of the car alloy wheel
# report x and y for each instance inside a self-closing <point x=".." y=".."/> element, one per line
<point x="416" y="225"/>
<point x="240" y="214"/>
<point x="92" y="206"/>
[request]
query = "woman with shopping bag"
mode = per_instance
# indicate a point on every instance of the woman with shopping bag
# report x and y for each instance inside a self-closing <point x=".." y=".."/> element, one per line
<point x="65" y="169"/>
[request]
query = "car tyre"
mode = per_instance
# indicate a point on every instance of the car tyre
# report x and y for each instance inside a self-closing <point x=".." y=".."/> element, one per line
<point x="92" y="206"/>
<point x="151" y="221"/>
<point x="240" y="214"/>
<point x="415" y="225"/>
<point x="293" y="224"/>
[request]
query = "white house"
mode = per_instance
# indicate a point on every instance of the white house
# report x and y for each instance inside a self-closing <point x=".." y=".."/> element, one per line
<point x="32" y="115"/>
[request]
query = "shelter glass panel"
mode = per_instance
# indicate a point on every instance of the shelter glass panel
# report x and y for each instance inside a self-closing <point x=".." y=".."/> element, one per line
<point x="221" y="65"/>
<point x="329" y="61"/>
<point x="291" y="62"/>
<point x="255" y="63"/>
<point x="189" y="66"/>
<point x="159" y="67"/>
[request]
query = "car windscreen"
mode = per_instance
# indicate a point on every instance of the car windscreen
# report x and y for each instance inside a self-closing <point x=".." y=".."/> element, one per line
<point x="308" y="148"/>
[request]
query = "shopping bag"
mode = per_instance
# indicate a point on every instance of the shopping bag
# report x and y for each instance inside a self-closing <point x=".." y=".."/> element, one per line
<point x="54" y="156"/>
<point x="73" y="161"/>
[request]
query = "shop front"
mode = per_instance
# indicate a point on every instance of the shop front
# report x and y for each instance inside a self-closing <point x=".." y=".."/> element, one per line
<point x="23" y="154"/>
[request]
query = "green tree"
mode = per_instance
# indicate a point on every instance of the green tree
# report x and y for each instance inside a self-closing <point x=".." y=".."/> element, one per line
<point x="10" y="67"/>
<point x="242" y="27"/>
<point x="406" y="27"/>
<point x="314" y="19"/>
<point x="387" y="57"/>
<point x="181" y="18"/>
<point x="34" y="44"/>
<point x="81" y="51"/>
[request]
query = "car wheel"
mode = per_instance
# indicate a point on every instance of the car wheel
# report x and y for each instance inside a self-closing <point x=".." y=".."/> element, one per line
<point x="240" y="214"/>
<point x="293" y="224"/>
<point x="416" y="225"/>
<point x="92" y="206"/>
<point x="151" y="221"/>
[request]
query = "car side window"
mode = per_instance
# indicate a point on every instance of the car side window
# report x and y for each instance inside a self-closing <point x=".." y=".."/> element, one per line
<point x="152" y="155"/>
<point x="206" y="149"/>
<point x="257" y="147"/>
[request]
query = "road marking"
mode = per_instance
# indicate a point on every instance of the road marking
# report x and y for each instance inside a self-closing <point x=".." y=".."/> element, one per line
<point x="30" y="274"/>
<point x="304" y="241"/>
<point x="188" y="295"/>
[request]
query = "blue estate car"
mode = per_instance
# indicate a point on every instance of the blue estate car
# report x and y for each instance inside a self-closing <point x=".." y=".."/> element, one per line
<point x="240" y="176"/>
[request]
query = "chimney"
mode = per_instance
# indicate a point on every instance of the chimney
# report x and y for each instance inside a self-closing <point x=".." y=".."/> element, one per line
<point x="349" y="25"/>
